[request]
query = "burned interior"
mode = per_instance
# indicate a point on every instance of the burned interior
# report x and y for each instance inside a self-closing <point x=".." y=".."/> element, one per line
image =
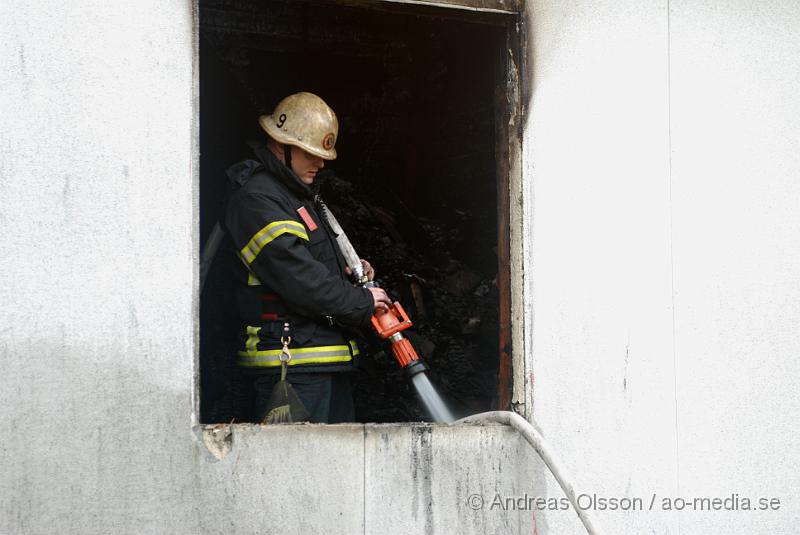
<point x="419" y="93"/>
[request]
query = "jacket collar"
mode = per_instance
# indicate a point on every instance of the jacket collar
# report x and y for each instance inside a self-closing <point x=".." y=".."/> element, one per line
<point x="277" y="169"/>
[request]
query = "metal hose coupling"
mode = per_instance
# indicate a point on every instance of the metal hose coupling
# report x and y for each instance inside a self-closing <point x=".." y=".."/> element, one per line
<point x="413" y="368"/>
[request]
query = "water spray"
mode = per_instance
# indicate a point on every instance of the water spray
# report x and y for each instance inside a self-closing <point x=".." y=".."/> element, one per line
<point x="389" y="324"/>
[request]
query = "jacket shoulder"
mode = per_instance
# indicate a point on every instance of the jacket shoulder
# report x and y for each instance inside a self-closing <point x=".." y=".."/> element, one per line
<point x="251" y="177"/>
<point x="240" y="173"/>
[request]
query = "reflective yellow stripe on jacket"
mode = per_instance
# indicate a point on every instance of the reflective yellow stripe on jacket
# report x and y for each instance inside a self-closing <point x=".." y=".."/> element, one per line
<point x="303" y="355"/>
<point x="250" y="251"/>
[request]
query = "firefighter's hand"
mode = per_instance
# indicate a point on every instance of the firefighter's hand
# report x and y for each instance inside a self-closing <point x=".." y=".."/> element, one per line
<point x="368" y="270"/>
<point x="380" y="299"/>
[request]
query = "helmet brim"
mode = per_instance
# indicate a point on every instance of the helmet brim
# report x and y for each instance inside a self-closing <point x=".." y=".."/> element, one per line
<point x="268" y="125"/>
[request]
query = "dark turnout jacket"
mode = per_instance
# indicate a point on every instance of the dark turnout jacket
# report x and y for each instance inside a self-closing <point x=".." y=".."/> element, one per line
<point x="290" y="272"/>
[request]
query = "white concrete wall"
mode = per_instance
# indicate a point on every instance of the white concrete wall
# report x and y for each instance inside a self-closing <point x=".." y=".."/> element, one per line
<point x="97" y="321"/>
<point x="662" y="150"/>
<point x="96" y="271"/>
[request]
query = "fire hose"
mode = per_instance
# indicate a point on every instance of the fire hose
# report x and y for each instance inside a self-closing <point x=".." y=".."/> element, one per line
<point x="389" y="325"/>
<point x="543" y="449"/>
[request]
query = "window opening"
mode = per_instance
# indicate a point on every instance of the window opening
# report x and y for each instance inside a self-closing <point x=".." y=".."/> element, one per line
<point x="420" y="100"/>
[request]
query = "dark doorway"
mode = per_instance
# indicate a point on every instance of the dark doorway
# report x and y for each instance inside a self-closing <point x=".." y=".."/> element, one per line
<point x="415" y="185"/>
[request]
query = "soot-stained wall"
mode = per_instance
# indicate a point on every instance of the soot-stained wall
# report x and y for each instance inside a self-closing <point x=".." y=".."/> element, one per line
<point x="414" y="184"/>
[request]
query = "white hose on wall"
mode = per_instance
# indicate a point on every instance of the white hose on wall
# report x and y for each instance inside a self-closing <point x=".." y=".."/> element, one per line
<point x="536" y="440"/>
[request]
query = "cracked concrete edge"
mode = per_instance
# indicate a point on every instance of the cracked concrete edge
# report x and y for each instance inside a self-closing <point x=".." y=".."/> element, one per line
<point x="217" y="439"/>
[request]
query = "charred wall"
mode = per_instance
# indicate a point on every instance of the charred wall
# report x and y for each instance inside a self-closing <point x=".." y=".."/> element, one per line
<point x="414" y="184"/>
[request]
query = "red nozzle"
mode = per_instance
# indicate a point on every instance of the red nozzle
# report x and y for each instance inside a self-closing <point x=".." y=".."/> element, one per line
<point x="404" y="352"/>
<point x="391" y="321"/>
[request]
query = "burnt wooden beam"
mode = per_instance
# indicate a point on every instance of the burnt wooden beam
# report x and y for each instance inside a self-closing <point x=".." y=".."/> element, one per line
<point x="508" y="146"/>
<point x="485" y="6"/>
<point x="493" y="12"/>
<point x="507" y="7"/>
<point x="502" y="162"/>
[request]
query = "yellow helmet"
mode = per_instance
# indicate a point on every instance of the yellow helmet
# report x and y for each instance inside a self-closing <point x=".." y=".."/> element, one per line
<point x="305" y="121"/>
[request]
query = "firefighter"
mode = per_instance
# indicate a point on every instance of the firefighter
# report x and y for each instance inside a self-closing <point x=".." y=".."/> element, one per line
<point x="292" y="283"/>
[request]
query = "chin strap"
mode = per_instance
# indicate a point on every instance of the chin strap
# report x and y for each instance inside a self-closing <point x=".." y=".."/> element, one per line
<point x="287" y="155"/>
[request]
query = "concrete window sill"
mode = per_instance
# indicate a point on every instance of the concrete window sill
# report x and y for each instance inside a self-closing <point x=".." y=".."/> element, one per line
<point x="220" y="439"/>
